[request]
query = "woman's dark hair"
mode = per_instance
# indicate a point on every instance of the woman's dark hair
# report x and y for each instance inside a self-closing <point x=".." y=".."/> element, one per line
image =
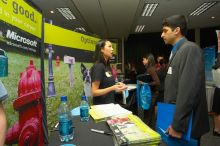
<point x="98" y="56"/>
<point x="151" y="60"/>
<point x="176" y="21"/>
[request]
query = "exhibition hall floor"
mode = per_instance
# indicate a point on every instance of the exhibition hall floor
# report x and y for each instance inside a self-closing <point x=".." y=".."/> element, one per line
<point x="208" y="139"/>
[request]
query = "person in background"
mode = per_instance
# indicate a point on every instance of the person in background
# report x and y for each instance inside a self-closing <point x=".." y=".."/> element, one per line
<point x="119" y="68"/>
<point x="185" y="80"/>
<point x="3" y="122"/>
<point x="133" y="73"/>
<point x="149" y="64"/>
<point x="103" y="83"/>
<point x="130" y="73"/>
<point x="114" y="72"/>
<point x="216" y="99"/>
<point x="162" y="75"/>
<point x="133" y="68"/>
<point x="158" y="62"/>
<point x="127" y="70"/>
<point x="120" y="74"/>
<point x="154" y="82"/>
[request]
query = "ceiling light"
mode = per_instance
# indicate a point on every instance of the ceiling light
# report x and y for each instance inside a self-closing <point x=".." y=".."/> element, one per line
<point x="80" y="29"/>
<point x="149" y="8"/>
<point x="202" y="8"/>
<point x="213" y="17"/>
<point x="51" y="12"/>
<point x="139" y="28"/>
<point x="66" y="13"/>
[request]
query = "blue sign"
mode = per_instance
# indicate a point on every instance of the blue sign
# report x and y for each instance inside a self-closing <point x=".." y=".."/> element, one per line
<point x="209" y="57"/>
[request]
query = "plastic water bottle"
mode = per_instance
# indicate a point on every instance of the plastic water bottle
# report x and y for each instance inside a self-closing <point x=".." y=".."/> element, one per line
<point x="65" y="121"/>
<point x="84" y="110"/>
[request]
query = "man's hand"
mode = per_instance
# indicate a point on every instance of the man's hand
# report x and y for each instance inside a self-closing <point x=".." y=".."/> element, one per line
<point x="171" y="132"/>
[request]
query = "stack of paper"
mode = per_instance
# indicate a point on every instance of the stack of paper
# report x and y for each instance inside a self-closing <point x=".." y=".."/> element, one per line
<point x="130" y="130"/>
<point x="103" y="111"/>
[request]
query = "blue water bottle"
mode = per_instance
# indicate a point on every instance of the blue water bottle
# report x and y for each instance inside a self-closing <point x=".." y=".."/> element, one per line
<point x="65" y="121"/>
<point x="84" y="110"/>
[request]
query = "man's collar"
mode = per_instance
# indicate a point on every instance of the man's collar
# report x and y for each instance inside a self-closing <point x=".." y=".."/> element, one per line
<point x="177" y="43"/>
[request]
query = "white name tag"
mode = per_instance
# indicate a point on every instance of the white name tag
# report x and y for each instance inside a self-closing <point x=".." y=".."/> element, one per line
<point x="108" y="74"/>
<point x="169" y="70"/>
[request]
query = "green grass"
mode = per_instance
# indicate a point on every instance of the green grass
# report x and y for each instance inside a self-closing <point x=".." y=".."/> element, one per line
<point x="18" y="63"/>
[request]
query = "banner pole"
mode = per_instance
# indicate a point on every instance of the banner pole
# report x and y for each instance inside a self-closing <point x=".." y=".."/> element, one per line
<point x="44" y="111"/>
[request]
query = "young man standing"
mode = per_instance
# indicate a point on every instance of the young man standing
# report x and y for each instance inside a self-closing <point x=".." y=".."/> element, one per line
<point x="185" y="80"/>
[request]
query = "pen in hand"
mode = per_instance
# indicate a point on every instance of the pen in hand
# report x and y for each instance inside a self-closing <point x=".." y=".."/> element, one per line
<point x="100" y="131"/>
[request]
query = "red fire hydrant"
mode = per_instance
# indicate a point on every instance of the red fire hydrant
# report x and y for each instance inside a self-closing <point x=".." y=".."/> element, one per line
<point x="28" y="130"/>
<point x="58" y="61"/>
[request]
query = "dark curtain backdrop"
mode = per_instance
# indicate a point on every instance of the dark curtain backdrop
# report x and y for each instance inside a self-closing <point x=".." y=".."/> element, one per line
<point x="138" y="45"/>
<point x="208" y="37"/>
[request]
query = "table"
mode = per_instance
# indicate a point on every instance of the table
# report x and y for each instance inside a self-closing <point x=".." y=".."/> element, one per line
<point x="131" y="87"/>
<point x="83" y="136"/>
<point x="130" y="101"/>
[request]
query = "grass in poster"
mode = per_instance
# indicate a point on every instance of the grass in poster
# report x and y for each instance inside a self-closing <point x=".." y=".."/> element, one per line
<point x="17" y="63"/>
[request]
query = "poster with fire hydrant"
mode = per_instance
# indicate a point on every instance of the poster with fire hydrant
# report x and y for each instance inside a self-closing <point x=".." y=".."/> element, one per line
<point x="39" y="71"/>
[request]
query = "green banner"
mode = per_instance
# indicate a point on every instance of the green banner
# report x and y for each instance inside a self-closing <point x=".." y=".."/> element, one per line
<point x="18" y="13"/>
<point x="62" y="37"/>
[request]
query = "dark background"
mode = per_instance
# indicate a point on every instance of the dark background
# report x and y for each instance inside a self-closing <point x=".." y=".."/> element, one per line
<point x="136" y="46"/>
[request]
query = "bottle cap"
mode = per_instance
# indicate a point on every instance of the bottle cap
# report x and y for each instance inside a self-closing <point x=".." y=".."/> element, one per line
<point x="83" y="97"/>
<point x="63" y="98"/>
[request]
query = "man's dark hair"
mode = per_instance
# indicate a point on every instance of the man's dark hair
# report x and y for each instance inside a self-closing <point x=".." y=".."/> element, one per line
<point x="176" y="21"/>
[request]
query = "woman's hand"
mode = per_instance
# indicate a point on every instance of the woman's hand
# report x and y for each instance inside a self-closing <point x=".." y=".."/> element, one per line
<point x="119" y="87"/>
